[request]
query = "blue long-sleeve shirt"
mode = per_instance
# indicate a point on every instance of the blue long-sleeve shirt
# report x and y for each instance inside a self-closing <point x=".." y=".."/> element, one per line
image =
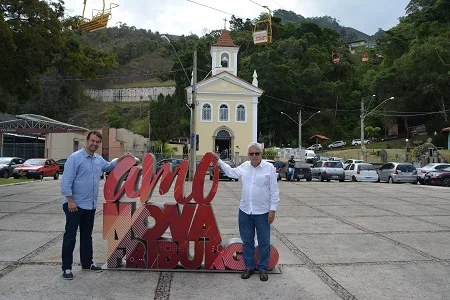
<point x="81" y="178"/>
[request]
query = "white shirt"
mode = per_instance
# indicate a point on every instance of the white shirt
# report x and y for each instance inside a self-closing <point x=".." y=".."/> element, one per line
<point x="260" y="191"/>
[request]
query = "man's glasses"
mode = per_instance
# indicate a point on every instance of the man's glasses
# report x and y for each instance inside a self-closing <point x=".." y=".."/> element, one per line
<point x="254" y="153"/>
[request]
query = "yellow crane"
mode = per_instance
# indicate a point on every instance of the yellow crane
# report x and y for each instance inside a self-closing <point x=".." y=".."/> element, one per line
<point x="99" y="18"/>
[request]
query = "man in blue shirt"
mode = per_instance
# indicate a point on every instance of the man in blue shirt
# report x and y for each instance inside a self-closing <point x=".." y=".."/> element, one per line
<point x="79" y="186"/>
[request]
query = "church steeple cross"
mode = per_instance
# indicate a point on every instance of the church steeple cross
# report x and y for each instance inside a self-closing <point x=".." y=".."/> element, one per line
<point x="225" y="24"/>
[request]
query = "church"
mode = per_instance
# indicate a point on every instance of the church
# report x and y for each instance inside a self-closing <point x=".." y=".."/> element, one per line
<point x="226" y="111"/>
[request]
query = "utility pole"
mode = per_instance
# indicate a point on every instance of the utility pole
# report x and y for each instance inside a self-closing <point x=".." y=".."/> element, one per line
<point x="300" y="131"/>
<point x="149" y="128"/>
<point x="362" y="127"/>
<point x="193" y="153"/>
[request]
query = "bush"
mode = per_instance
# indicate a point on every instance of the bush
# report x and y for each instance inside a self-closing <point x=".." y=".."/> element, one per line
<point x="269" y="152"/>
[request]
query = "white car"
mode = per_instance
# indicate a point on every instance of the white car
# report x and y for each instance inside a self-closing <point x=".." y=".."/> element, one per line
<point x="421" y="172"/>
<point x="352" y="161"/>
<point x="356" y="142"/>
<point x="337" y="144"/>
<point x="361" y="172"/>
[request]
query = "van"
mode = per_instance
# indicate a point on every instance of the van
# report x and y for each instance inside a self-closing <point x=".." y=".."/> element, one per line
<point x="309" y="156"/>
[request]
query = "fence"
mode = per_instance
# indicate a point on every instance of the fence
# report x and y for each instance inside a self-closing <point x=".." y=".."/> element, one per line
<point x="23" y="150"/>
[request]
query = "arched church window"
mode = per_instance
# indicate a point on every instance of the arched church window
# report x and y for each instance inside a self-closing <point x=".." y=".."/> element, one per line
<point x="240" y="113"/>
<point x="223" y="112"/>
<point x="223" y="135"/>
<point x="224" y="60"/>
<point x="206" y="112"/>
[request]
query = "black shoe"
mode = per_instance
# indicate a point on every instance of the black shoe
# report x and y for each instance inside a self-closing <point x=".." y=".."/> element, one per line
<point x="67" y="274"/>
<point x="263" y="276"/>
<point x="92" y="268"/>
<point x="247" y="273"/>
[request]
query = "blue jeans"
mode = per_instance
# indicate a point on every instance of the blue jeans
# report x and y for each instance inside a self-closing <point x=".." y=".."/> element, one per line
<point x="85" y="220"/>
<point x="292" y="171"/>
<point x="247" y="226"/>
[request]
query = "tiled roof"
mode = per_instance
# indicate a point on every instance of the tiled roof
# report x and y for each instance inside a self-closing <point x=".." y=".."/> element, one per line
<point x="225" y="40"/>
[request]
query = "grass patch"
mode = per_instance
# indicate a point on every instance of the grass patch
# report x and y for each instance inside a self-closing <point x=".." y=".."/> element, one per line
<point x="12" y="180"/>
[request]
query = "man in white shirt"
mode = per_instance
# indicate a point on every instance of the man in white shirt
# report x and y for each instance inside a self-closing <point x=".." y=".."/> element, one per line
<point x="259" y="201"/>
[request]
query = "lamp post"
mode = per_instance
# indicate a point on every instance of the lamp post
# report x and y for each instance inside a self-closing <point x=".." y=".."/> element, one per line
<point x="406" y="150"/>
<point x="300" y="124"/>
<point x="364" y="115"/>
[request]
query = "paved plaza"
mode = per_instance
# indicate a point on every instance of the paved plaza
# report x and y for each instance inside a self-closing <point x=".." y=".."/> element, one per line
<point x="367" y="241"/>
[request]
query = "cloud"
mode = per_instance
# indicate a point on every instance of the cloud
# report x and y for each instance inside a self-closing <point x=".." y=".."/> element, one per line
<point x="184" y="17"/>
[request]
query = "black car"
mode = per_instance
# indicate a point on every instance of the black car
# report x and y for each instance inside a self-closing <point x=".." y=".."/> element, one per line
<point x="174" y="162"/>
<point x="222" y="173"/>
<point x="61" y="162"/>
<point x="301" y="171"/>
<point x="7" y="165"/>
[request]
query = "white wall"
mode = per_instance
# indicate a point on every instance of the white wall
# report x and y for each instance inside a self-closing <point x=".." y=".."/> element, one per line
<point x="129" y="95"/>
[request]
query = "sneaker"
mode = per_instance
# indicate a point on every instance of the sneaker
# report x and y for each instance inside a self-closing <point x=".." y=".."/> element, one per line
<point x="67" y="274"/>
<point x="93" y="268"/>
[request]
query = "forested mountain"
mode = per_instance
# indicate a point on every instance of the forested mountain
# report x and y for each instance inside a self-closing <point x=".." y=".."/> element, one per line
<point x="347" y="34"/>
<point x="46" y="73"/>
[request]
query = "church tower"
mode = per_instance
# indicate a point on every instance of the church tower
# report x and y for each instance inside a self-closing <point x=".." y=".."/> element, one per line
<point x="224" y="55"/>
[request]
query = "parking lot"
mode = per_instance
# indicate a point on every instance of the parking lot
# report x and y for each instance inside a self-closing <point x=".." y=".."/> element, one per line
<point x="336" y="240"/>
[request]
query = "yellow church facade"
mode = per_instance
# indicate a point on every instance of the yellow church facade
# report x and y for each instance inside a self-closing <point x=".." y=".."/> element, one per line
<point x="226" y="111"/>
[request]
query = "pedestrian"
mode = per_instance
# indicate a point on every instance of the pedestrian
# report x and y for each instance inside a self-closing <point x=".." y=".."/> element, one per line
<point x="291" y="165"/>
<point x="79" y="186"/>
<point x="259" y="201"/>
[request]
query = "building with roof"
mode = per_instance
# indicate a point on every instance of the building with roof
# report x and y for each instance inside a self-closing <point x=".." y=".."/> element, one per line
<point x="227" y="106"/>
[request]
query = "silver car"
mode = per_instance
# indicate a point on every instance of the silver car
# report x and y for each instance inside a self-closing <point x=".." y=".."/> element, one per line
<point x="394" y="172"/>
<point x="328" y="170"/>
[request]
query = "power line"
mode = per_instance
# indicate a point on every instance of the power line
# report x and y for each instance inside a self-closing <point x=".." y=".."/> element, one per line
<point x="255" y="3"/>
<point x="214" y="9"/>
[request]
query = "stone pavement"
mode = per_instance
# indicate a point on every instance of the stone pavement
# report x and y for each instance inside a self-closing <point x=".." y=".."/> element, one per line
<point x="336" y="241"/>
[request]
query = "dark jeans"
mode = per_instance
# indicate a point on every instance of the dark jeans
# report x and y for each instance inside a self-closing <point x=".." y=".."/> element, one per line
<point x="85" y="220"/>
<point x="247" y="226"/>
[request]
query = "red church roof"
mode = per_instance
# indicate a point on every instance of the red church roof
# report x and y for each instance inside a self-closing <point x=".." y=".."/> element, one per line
<point x="225" y="40"/>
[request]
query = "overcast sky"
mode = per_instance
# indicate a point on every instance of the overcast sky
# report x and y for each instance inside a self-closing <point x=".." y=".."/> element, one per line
<point x="184" y="17"/>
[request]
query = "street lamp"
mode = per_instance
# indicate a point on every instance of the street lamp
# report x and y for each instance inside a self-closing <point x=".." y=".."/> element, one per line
<point x="406" y="150"/>
<point x="300" y="124"/>
<point x="364" y="115"/>
<point x="176" y="53"/>
<point x="193" y="135"/>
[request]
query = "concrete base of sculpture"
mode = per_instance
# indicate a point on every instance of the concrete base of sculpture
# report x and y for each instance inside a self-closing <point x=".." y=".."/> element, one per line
<point x="275" y="270"/>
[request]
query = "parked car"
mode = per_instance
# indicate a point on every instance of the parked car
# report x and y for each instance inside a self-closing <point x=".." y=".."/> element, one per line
<point x="301" y="171"/>
<point x="421" y="172"/>
<point x="438" y="177"/>
<point x="222" y="174"/>
<point x="61" y="162"/>
<point x="37" y="168"/>
<point x="352" y="161"/>
<point x="276" y="163"/>
<point x="309" y="156"/>
<point x="361" y="172"/>
<point x="328" y="170"/>
<point x="8" y="164"/>
<point x="174" y="162"/>
<point x="394" y="172"/>
<point x="106" y="174"/>
<point x="356" y="142"/>
<point x="315" y="147"/>
<point x="337" y="144"/>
